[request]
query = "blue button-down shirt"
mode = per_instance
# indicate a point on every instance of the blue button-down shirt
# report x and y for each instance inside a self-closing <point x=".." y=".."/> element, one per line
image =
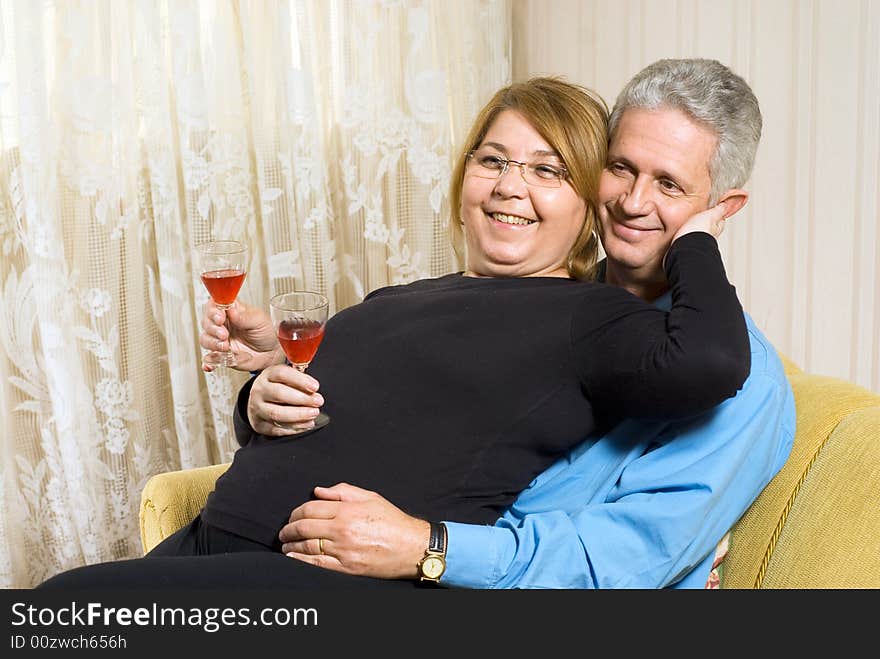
<point x="643" y="506"/>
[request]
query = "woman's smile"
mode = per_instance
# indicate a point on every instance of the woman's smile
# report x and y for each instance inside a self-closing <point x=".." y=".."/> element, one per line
<point x="509" y="219"/>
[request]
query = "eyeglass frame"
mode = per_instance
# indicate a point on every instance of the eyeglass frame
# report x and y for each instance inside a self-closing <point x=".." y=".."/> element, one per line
<point x="522" y="170"/>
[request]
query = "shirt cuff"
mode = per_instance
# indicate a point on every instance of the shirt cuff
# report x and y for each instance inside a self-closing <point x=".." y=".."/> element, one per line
<point x="473" y="553"/>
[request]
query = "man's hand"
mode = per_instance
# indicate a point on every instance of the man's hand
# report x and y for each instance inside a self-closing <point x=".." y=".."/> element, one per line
<point x="250" y="335"/>
<point x="283" y="399"/>
<point x="710" y="220"/>
<point x="360" y="533"/>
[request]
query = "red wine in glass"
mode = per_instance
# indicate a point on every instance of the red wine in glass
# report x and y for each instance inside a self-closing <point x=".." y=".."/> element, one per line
<point x="300" y="339"/>
<point x="222" y="267"/>
<point x="299" y="318"/>
<point x="223" y="285"/>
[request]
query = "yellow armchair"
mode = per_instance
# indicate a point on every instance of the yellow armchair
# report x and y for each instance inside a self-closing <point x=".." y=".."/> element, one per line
<point x="171" y="500"/>
<point x="816" y="525"/>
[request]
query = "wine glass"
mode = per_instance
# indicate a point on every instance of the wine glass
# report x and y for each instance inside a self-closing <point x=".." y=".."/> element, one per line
<point x="223" y="266"/>
<point x="299" y="318"/>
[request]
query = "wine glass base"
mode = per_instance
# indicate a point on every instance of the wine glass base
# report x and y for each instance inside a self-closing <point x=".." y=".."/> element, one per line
<point x="320" y="421"/>
<point x="219" y="359"/>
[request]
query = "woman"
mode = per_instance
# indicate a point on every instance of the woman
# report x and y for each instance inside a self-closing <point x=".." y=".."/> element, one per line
<point x="449" y="395"/>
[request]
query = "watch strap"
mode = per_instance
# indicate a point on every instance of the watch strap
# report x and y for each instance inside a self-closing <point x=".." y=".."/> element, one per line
<point x="437" y="541"/>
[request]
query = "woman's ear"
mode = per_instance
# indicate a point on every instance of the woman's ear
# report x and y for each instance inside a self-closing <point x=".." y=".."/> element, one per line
<point x="733" y="200"/>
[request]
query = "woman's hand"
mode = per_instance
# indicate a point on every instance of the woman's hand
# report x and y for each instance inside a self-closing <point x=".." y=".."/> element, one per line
<point x="250" y="335"/>
<point x="356" y="531"/>
<point x="282" y="400"/>
<point x="710" y="220"/>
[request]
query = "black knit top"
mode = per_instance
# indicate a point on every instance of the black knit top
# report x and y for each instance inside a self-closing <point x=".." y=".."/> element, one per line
<point x="449" y="395"/>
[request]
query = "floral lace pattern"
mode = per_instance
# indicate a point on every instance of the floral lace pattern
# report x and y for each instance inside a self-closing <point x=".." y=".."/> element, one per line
<point x="321" y="133"/>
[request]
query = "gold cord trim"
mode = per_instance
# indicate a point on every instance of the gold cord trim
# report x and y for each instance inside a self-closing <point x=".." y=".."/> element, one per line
<point x="759" y="580"/>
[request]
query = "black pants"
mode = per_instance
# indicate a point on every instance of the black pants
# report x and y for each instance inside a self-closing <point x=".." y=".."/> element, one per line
<point x="202" y="556"/>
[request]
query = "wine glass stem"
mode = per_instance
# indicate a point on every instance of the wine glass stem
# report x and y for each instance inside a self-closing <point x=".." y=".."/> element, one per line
<point x="227" y="354"/>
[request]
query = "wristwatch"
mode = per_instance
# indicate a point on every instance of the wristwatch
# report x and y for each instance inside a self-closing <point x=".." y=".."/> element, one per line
<point x="433" y="563"/>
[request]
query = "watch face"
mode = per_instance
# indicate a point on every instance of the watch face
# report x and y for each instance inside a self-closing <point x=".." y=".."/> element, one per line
<point x="432" y="567"/>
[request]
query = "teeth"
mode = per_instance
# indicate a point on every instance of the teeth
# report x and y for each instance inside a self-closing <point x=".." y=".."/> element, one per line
<point x="511" y="219"/>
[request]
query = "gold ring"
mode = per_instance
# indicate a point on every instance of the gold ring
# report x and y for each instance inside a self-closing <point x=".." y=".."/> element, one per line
<point x="278" y="425"/>
<point x="321" y="545"/>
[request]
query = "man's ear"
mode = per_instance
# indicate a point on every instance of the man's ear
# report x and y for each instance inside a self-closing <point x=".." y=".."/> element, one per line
<point x="733" y="200"/>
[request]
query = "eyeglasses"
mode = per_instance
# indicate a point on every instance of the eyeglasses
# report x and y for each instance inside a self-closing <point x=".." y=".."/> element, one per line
<point x="487" y="163"/>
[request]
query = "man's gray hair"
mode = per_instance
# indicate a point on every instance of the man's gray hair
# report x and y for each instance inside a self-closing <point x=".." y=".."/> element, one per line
<point x="712" y="95"/>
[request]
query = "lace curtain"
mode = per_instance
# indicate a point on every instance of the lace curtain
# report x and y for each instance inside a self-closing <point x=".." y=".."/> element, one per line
<point x="320" y="132"/>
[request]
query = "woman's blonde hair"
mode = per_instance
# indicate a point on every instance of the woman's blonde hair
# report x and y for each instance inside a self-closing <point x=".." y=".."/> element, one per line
<point x="574" y="121"/>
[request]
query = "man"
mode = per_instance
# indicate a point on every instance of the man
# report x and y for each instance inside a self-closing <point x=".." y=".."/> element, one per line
<point x="645" y="505"/>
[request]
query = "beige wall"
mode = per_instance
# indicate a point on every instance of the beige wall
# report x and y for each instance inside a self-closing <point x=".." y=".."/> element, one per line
<point x="804" y="253"/>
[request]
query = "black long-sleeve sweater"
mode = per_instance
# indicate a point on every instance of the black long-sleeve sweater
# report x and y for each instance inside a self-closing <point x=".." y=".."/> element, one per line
<point x="449" y="395"/>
